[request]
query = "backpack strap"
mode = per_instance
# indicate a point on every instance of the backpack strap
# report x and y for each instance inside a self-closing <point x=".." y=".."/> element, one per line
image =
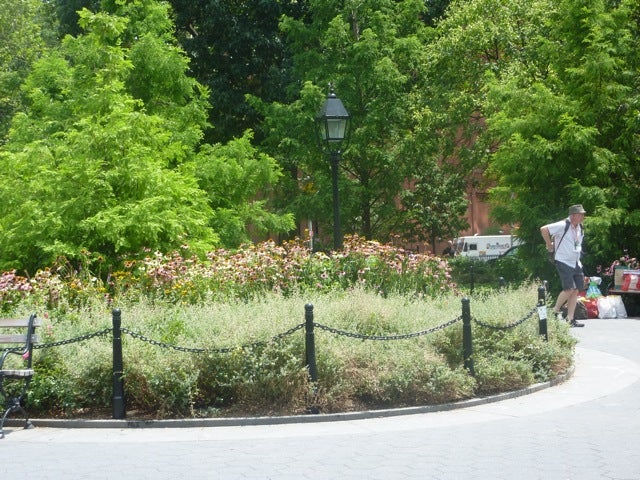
<point x="566" y="229"/>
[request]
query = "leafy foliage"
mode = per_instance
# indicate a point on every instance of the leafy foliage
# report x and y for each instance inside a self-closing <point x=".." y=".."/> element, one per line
<point x="564" y="127"/>
<point x="373" y="53"/>
<point x="23" y="35"/>
<point x="470" y="273"/>
<point x="236" y="49"/>
<point x="107" y="157"/>
<point x="435" y="206"/>
<point x="236" y="176"/>
<point x="236" y="368"/>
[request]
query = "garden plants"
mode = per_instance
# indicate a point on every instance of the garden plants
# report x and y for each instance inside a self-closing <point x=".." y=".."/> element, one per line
<point x="225" y="335"/>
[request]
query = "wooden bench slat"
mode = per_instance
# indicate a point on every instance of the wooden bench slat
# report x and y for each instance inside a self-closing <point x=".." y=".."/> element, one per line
<point x="18" y="322"/>
<point x="27" y="372"/>
<point x="17" y="338"/>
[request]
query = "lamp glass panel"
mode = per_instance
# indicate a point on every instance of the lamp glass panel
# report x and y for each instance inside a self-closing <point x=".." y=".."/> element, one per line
<point x="336" y="129"/>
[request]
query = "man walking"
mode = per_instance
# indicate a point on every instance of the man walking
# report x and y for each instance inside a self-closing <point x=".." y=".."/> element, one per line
<point x="564" y="244"/>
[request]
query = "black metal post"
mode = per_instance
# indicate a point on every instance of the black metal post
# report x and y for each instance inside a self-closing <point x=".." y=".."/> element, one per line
<point x="502" y="283"/>
<point x="118" y="380"/>
<point x="310" y="347"/>
<point x="337" y="230"/>
<point x="467" y="343"/>
<point x="310" y="343"/>
<point x="542" y="313"/>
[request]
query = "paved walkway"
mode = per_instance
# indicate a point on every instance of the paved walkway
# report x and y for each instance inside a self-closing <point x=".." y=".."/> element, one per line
<point x="586" y="428"/>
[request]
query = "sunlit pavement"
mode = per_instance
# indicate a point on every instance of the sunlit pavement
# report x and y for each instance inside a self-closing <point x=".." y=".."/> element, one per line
<point x="585" y="428"/>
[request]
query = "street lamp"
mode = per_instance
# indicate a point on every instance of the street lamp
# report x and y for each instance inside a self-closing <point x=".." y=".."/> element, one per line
<point x="332" y="126"/>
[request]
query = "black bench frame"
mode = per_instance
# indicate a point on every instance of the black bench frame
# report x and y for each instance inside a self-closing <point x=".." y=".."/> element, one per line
<point x="23" y="346"/>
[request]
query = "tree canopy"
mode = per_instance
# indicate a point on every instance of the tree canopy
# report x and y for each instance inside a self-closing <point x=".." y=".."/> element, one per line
<point x="565" y="122"/>
<point x="108" y="155"/>
<point x="149" y="124"/>
<point x="23" y="37"/>
<point x="373" y="53"/>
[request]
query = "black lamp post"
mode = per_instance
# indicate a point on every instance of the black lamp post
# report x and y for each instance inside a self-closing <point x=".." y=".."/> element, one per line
<point x="332" y="124"/>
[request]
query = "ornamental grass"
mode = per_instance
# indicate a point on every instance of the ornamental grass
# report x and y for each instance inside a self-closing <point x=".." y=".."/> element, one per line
<point x="223" y="336"/>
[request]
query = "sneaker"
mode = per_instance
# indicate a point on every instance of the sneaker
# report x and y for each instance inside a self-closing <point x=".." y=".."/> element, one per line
<point x="573" y="323"/>
<point x="559" y="316"/>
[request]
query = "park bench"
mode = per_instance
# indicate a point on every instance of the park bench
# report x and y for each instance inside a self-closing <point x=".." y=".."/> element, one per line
<point x="17" y="337"/>
<point x="629" y="293"/>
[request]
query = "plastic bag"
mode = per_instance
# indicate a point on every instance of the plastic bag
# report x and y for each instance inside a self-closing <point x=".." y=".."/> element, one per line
<point x="621" y="311"/>
<point x="606" y="308"/>
<point x="591" y="305"/>
<point x="593" y="291"/>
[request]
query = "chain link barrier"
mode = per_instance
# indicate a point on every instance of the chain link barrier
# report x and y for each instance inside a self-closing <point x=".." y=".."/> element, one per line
<point x="291" y="331"/>
<point x="69" y="341"/>
<point x="387" y="337"/>
<point x="509" y="326"/>
<point x="118" y="403"/>
<point x="144" y="338"/>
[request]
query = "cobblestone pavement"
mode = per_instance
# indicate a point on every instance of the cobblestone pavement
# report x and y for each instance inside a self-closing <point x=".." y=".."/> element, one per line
<point x="586" y="428"/>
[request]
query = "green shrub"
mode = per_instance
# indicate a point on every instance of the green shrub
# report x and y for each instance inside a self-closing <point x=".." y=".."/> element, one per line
<point x="206" y="338"/>
<point x="496" y="374"/>
<point x="470" y="272"/>
<point x="164" y="389"/>
<point x="259" y="379"/>
<point x="49" y="390"/>
<point x="71" y="379"/>
<point x="511" y="358"/>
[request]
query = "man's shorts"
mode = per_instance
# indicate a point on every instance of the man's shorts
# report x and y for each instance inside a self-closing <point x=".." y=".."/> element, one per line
<point x="570" y="277"/>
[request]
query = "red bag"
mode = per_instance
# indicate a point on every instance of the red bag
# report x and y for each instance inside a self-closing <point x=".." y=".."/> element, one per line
<point x="626" y="281"/>
<point x="591" y="305"/>
<point x="631" y="280"/>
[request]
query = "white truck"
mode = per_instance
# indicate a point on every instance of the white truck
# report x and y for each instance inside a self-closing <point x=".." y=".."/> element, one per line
<point x="485" y="247"/>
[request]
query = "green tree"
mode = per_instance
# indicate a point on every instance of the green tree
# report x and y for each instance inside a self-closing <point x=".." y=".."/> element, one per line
<point x="568" y="128"/>
<point x="67" y="14"/>
<point x="22" y="41"/>
<point x="239" y="181"/>
<point x="236" y="49"/>
<point x="435" y="207"/>
<point x="477" y="38"/>
<point x="107" y="155"/>
<point x="435" y="10"/>
<point x="373" y="53"/>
